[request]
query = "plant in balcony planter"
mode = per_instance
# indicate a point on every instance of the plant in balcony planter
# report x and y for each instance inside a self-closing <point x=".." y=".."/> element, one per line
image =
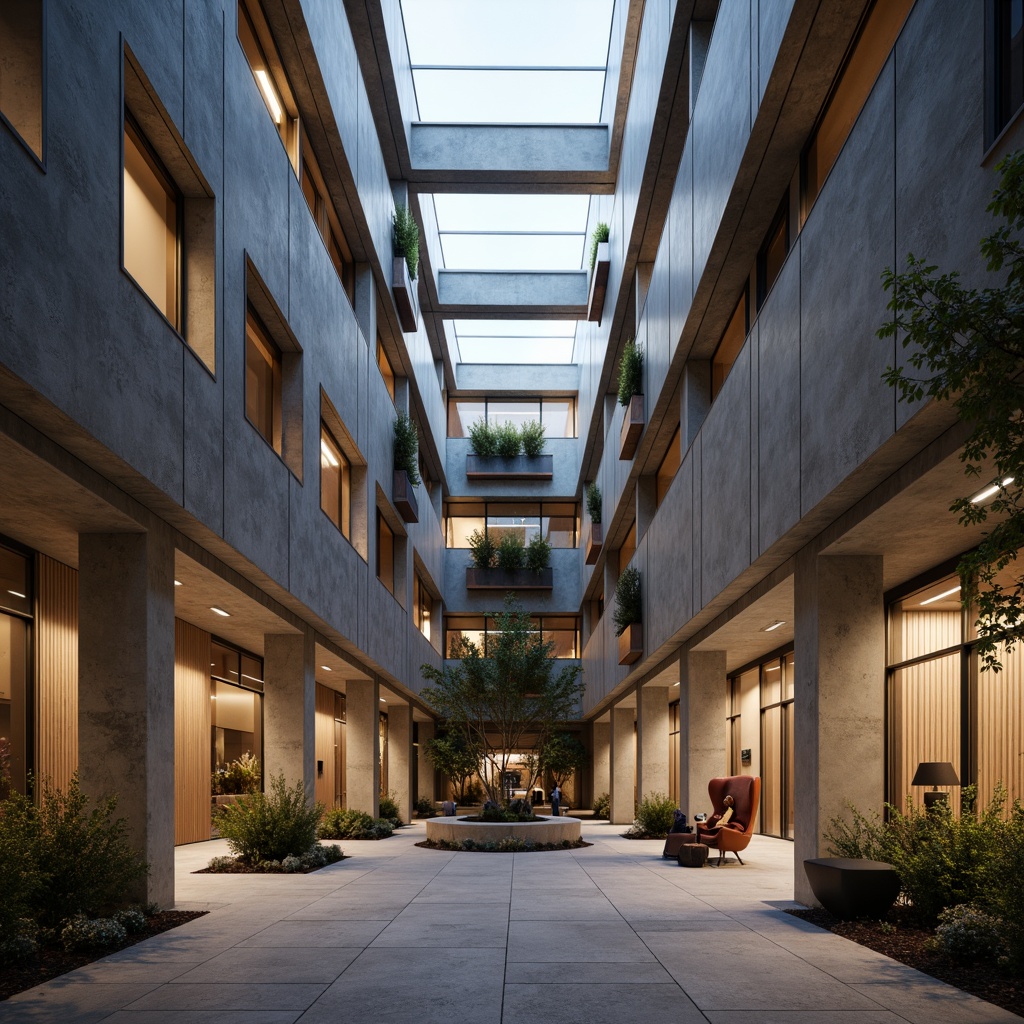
<point x="482" y="439"/>
<point x="538" y="554"/>
<point x="407" y="447"/>
<point x="508" y="440"/>
<point x="600" y="234"/>
<point x="532" y="436"/>
<point x="511" y="553"/>
<point x="628" y="608"/>
<point x="594" y="503"/>
<point x="482" y="549"/>
<point x="631" y="372"/>
<point x="406" y="238"/>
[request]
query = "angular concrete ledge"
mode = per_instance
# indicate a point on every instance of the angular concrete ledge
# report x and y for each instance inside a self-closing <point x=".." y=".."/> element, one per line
<point x="520" y="467"/>
<point x="536" y="293"/>
<point x="548" y="830"/>
<point x="509" y="579"/>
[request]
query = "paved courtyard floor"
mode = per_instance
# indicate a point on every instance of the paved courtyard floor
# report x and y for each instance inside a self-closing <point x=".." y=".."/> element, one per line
<point x="606" y="935"/>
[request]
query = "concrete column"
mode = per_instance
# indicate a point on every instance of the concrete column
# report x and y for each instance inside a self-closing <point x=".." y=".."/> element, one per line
<point x="623" y="767"/>
<point x="362" y="745"/>
<point x="602" y="758"/>
<point x="839" y="697"/>
<point x="289" y="709"/>
<point x="126" y="691"/>
<point x="425" y="768"/>
<point x="702" y="736"/>
<point x="652" y="741"/>
<point x="400" y="757"/>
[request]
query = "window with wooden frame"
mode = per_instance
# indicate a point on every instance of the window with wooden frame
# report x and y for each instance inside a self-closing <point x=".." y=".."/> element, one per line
<point x="384" y="365"/>
<point x="262" y="381"/>
<point x="326" y="220"/>
<point x="422" y="605"/>
<point x="669" y="467"/>
<point x="628" y="549"/>
<point x="773" y="253"/>
<point x="728" y="349"/>
<point x="385" y="553"/>
<point x="22" y="70"/>
<point x="335" y="482"/>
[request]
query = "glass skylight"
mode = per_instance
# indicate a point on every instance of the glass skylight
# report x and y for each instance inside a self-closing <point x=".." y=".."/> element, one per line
<point x="515" y="341"/>
<point x="509" y="61"/>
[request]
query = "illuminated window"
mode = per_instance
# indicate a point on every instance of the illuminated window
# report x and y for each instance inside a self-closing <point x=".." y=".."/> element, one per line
<point x="326" y="220"/>
<point x="236" y="710"/>
<point x="152" y="217"/>
<point x="257" y="44"/>
<point x="730" y="345"/>
<point x="385" y="553"/>
<point x="384" y="365"/>
<point x="262" y="382"/>
<point x="561" y="630"/>
<point x="21" y="70"/>
<point x="555" y="521"/>
<point x="669" y="467"/>
<point x="869" y="53"/>
<point x="558" y="415"/>
<point x="421" y="605"/>
<point x="335" y="482"/>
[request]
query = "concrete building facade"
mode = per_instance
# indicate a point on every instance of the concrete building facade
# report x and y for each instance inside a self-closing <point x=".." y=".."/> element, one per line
<point x="202" y="356"/>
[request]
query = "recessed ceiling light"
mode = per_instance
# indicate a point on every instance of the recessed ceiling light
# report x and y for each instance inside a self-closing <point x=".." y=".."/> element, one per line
<point x="327" y="457"/>
<point x="939" y="597"/>
<point x="773" y="625"/>
<point x="177" y="583"/>
<point x="383" y="700"/>
<point x="270" y="95"/>
<point x="327" y="668"/>
<point x="16" y="593"/>
<point x="220" y="611"/>
<point x="675" y="684"/>
<point x="990" y="491"/>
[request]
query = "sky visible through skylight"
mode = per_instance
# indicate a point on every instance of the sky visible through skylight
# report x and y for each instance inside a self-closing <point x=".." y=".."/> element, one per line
<point x="510" y="61"/>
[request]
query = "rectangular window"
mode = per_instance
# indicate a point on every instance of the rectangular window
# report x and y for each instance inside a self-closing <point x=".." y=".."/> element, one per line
<point x="729" y="347"/>
<point x="384" y="365"/>
<point x="257" y="44"/>
<point x="772" y="254"/>
<point x="335" y="482"/>
<point x="556" y="521"/>
<point x="669" y="467"/>
<point x="558" y="415"/>
<point x="262" y="381"/>
<point x="1006" y="34"/>
<point x="385" y="553"/>
<point x="867" y="57"/>
<point x="558" y="524"/>
<point x="236" y="712"/>
<point x="562" y="630"/>
<point x="16" y="603"/>
<point x="628" y="549"/>
<point x="517" y="412"/>
<point x="21" y="70"/>
<point x="422" y="605"/>
<point x="322" y="210"/>
<point x="152" y="218"/>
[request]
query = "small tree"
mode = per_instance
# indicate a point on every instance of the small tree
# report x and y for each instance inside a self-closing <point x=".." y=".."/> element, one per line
<point x="456" y="759"/>
<point x="406" y="447"/>
<point x="594" y="503"/>
<point x="600" y="234"/>
<point x="628" y="600"/>
<point x="562" y="756"/>
<point x="968" y="344"/>
<point x="406" y="238"/>
<point x="496" y="702"/>
<point x="631" y="372"/>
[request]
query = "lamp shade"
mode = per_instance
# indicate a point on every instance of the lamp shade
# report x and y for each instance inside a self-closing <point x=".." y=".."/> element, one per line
<point x="935" y="773"/>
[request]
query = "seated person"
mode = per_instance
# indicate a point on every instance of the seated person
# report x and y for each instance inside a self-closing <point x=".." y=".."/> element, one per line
<point x="723" y="820"/>
<point x="679" y="822"/>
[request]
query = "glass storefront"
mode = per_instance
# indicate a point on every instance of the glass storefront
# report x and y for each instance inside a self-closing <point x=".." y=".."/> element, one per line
<point x="561" y="630"/>
<point x="236" y="705"/>
<point x="15" y="669"/>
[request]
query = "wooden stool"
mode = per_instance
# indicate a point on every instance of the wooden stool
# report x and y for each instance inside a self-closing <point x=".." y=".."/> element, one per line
<point x="692" y="855"/>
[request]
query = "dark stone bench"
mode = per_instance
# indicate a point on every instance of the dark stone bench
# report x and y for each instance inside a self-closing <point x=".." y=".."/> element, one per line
<point x="852" y="887"/>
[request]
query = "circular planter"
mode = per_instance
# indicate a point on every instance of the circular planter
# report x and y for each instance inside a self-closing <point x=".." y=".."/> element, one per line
<point x="547" y="830"/>
<point x="852" y="887"/>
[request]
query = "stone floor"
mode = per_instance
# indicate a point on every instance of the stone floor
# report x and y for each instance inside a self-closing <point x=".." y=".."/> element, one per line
<point x="397" y="934"/>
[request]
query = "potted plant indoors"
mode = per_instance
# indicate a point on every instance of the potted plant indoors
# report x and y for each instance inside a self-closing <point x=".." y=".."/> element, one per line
<point x="595" y="541"/>
<point x="628" y="616"/>
<point x="505" y="451"/>
<point x="600" y="261"/>
<point x="631" y="396"/>
<point x="405" y="239"/>
<point x="406" y="477"/>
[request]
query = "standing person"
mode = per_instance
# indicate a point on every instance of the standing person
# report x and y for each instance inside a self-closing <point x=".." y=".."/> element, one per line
<point x="556" y="799"/>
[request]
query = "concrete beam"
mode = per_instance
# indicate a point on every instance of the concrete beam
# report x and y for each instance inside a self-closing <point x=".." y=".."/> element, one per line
<point x="457" y="155"/>
<point x="512" y="293"/>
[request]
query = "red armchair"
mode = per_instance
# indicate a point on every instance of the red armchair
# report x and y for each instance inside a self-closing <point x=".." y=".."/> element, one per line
<point x="735" y="834"/>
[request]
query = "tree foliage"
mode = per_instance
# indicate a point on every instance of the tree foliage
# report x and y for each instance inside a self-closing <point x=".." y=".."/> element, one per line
<point x="966" y="345"/>
<point x="501" y="701"/>
<point x="456" y="758"/>
<point x="562" y="755"/>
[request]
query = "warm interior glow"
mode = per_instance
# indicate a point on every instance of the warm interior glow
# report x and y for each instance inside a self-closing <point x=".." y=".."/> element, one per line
<point x="939" y="597"/>
<point x="990" y="491"/>
<point x="270" y="95"/>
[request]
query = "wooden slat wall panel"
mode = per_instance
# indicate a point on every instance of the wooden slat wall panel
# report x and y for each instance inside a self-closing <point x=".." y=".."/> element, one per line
<point x="1001" y="728"/>
<point x="56" y="669"/>
<point x="191" y="733"/>
<point x="325" y="744"/>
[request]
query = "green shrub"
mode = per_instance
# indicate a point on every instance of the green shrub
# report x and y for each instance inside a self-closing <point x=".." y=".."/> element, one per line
<point x="603" y="806"/>
<point x="508" y="440"/>
<point x="483" y="439"/>
<point x="407" y="447"/>
<point x="425" y="808"/>
<point x="511" y="554"/>
<point x="482" y="549"/>
<point x="132" y="919"/>
<point x="628" y="600"/>
<point x="389" y="809"/>
<point x="243" y="775"/>
<point x="406" y="238"/>
<point x="262" y="827"/>
<point x="82" y="933"/>
<point x="512" y="844"/>
<point x="538" y="554"/>
<point x="20" y="877"/>
<point x="353" y="824"/>
<point x="1005" y="897"/>
<point x="532" y="437"/>
<point x="594" y="502"/>
<point x="85" y="861"/>
<point x="600" y="234"/>
<point x="654" y="816"/>
<point x="631" y="372"/>
<point x="969" y="933"/>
